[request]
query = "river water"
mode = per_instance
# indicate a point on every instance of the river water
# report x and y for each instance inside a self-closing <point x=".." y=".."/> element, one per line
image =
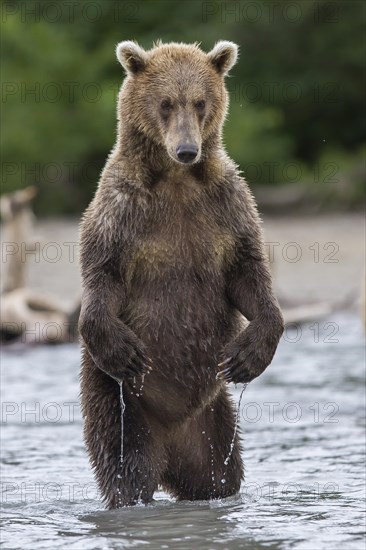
<point x="303" y="428"/>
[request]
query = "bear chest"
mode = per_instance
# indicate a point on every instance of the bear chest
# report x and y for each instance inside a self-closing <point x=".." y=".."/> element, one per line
<point x="177" y="241"/>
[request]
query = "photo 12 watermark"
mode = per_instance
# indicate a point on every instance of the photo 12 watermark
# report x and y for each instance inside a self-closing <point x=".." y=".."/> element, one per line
<point x="269" y="12"/>
<point x="70" y="11"/>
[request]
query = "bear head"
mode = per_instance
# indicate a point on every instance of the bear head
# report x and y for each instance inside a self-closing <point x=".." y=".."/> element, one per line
<point x="175" y="95"/>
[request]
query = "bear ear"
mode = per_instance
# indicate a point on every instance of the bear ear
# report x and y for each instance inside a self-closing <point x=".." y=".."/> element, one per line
<point x="131" y="56"/>
<point x="223" y="56"/>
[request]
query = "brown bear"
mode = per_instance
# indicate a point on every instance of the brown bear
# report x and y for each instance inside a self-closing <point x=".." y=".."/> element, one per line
<point x="172" y="259"/>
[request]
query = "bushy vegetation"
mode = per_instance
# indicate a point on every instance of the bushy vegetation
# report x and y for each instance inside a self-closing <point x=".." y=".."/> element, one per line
<point x="297" y="97"/>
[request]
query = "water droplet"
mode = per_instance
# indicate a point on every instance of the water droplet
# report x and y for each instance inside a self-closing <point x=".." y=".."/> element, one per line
<point x="226" y="461"/>
<point x="142" y="383"/>
<point x="122" y="406"/>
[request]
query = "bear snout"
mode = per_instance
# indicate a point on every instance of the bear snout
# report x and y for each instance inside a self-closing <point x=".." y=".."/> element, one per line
<point x="187" y="153"/>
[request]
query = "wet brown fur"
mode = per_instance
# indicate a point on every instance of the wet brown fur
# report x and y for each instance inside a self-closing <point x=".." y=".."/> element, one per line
<point x="172" y="259"/>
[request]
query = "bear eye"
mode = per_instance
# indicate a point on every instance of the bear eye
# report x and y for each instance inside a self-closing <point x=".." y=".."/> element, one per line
<point x="200" y="105"/>
<point x="166" y="105"/>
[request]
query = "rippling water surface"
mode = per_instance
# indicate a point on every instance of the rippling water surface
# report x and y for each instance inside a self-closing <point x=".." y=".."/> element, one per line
<point x="303" y="428"/>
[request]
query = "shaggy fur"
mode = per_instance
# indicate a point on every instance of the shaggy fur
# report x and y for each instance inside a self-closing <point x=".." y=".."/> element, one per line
<point x="172" y="259"/>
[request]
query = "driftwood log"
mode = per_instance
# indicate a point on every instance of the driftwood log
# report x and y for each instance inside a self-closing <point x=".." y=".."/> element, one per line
<point x="27" y="314"/>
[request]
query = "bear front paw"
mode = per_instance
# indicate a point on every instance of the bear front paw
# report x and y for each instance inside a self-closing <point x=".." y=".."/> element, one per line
<point x="126" y="360"/>
<point x="246" y="357"/>
<point x="241" y="368"/>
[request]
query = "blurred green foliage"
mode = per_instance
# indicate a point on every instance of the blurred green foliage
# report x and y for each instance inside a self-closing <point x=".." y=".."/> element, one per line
<point x="297" y="97"/>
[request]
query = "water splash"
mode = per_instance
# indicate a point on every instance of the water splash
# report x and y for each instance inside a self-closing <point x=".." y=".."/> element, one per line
<point x="226" y="461"/>
<point x="142" y="383"/>
<point x="122" y="407"/>
<point x="212" y="465"/>
<point x="135" y="391"/>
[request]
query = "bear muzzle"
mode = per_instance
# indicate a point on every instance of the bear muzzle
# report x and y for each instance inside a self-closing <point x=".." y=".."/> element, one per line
<point x="187" y="153"/>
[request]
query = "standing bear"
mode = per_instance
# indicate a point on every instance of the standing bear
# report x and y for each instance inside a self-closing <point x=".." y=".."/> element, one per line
<point x="172" y="260"/>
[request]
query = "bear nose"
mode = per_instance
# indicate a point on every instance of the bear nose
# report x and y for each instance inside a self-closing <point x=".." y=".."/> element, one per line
<point x="187" y="153"/>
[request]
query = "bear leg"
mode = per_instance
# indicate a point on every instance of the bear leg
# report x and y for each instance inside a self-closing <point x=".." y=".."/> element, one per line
<point x="196" y="459"/>
<point x="137" y="477"/>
